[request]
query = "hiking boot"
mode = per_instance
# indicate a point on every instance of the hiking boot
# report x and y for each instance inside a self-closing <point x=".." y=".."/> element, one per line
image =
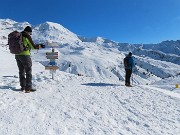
<point x="29" y="90"/>
<point x="128" y="85"/>
<point x="22" y="88"/>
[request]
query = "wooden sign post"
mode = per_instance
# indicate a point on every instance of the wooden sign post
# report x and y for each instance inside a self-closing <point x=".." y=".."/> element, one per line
<point x="52" y="66"/>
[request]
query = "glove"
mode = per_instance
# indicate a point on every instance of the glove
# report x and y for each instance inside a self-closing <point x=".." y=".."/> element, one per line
<point x="42" y="46"/>
<point x="39" y="46"/>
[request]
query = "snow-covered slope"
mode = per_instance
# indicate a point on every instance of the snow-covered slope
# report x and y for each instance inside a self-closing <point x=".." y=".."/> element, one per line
<point x="46" y="32"/>
<point x="168" y="47"/>
<point x="53" y="32"/>
<point x="95" y="39"/>
<point x="80" y="105"/>
<point x="158" y="55"/>
<point x="7" y="26"/>
<point x="171" y="47"/>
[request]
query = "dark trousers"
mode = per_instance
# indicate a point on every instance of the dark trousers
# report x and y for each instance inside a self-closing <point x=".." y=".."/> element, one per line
<point x="25" y="70"/>
<point x="128" y="76"/>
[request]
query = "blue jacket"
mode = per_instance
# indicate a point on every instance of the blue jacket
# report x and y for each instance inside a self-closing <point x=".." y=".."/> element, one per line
<point x="131" y="63"/>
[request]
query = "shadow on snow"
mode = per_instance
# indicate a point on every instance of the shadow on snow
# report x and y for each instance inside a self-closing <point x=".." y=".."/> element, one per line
<point x="9" y="88"/>
<point x="100" y="84"/>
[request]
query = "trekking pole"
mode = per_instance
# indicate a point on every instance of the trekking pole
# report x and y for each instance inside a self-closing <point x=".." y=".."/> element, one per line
<point x="132" y="78"/>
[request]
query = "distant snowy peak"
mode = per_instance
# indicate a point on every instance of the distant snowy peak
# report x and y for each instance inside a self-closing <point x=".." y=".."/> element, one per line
<point x="6" y="23"/>
<point x="95" y="39"/>
<point x="12" y="25"/>
<point x="7" y="26"/>
<point x="54" y="32"/>
<point x="171" y="47"/>
<point x="45" y="32"/>
<point x="50" y="26"/>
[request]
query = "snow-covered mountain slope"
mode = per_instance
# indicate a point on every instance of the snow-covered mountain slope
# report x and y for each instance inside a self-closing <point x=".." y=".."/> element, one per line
<point x="53" y="32"/>
<point x="171" y="47"/>
<point x="96" y="39"/>
<point x="150" y="51"/>
<point x="7" y="26"/>
<point x="48" y="31"/>
<point x="168" y="47"/>
<point x="96" y="57"/>
<point x="158" y="55"/>
<point x="80" y="105"/>
<point x="97" y="61"/>
<point x="106" y="61"/>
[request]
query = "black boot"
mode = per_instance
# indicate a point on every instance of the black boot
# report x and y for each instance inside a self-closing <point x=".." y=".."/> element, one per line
<point x="30" y="90"/>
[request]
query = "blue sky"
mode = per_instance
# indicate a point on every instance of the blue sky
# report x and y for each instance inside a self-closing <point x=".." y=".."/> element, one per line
<point x="131" y="21"/>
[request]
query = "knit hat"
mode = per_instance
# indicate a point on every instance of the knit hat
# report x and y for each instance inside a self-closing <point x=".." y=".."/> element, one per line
<point x="28" y="29"/>
<point x="130" y="53"/>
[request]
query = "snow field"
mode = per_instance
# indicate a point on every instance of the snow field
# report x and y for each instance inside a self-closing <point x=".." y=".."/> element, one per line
<point x="84" y="105"/>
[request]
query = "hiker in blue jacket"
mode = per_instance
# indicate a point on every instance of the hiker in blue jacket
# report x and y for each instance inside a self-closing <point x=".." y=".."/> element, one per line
<point x="128" y="64"/>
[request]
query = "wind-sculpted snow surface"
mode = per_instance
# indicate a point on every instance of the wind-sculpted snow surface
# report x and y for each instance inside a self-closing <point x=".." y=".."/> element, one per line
<point x="80" y="105"/>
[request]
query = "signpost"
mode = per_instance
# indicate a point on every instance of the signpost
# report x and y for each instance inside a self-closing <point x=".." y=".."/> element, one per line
<point x="52" y="67"/>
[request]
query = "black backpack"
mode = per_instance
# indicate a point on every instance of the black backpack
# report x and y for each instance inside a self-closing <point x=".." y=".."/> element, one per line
<point x="15" y="42"/>
<point x="126" y="62"/>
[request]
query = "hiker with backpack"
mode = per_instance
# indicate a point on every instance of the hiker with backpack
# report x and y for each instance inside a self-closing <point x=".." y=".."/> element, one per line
<point x="20" y="44"/>
<point x="128" y="65"/>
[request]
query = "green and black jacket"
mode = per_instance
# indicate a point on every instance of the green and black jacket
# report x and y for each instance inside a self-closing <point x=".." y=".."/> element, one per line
<point x="28" y="43"/>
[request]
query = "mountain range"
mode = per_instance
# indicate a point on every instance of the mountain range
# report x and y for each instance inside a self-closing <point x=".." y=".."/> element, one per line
<point x="98" y="56"/>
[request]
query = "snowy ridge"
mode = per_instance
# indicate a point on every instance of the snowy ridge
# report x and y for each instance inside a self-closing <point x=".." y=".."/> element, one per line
<point x="172" y="47"/>
<point x="158" y="55"/>
<point x="95" y="39"/>
<point x="48" y="31"/>
<point x="53" y="32"/>
<point x="163" y="70"/>
<point x="7" y="26"/>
